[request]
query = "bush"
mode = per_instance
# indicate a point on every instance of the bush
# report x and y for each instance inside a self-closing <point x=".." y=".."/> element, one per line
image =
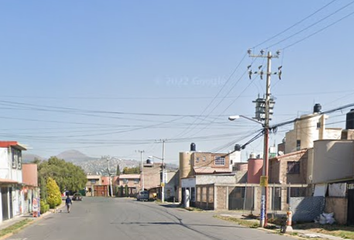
<point x="54" y="195"/>
<point x="44" y="206"/>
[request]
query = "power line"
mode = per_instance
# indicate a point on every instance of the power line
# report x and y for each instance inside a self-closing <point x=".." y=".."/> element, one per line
<point x="295" y="24"/>
<point x="311" y="25"/>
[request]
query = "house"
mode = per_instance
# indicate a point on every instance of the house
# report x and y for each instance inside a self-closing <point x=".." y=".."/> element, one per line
<point x="92" y="182"/>
<point x="127" y="185"/>
<point x="151" y="179"/>
<point x="198" y="169"/>
<point x="12" y="200"/>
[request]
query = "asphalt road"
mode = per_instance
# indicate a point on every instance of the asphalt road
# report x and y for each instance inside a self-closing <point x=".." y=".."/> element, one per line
<point x="127" y="219"/>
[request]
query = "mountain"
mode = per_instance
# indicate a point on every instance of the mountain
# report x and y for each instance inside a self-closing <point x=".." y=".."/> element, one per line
<point x="74" y="156"/>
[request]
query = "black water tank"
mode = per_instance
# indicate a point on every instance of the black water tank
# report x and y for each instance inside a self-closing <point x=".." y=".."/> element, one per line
<point x="349" y="124"/>
<point x="317" y="108"/>
<point x="148" y="161"/>
<point x="193" y="147"/>
<point x="237" y="147"/>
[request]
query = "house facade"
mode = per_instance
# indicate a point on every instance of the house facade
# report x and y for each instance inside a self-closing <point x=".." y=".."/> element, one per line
<point x="12" y="199"/>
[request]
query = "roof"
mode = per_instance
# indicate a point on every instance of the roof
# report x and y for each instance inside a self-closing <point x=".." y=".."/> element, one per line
<point x="129" y="176"/>
<point x="289" y="154"/>
<point x="209" y="170"/>
<point x="6" y="144"/>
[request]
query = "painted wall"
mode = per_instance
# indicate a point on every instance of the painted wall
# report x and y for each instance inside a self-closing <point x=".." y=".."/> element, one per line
<point x="333" y="160"/>
<point x="30" y="174"/>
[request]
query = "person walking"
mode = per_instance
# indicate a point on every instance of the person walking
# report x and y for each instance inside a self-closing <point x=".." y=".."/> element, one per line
<point x="68" y="203"/>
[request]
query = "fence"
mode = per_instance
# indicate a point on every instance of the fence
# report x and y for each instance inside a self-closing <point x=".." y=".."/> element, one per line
<point x="247" y="196"/>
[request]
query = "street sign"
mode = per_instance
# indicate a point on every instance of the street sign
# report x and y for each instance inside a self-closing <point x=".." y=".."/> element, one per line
<point x="264" y="181"/>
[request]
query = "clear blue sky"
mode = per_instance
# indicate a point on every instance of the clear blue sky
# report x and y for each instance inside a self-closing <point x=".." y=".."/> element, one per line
<point x="113" y="77"/>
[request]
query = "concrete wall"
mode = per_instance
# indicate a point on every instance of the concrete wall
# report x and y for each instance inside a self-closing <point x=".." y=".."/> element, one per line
<point x="306" y="130"/>
<point x="204" y="159"/>
<point x="30" y="174"/>
<point x="339" y="206"/>
<point x="152" y="176"/>
<point x="211" y="179"/>
<point x="333" y="159"/>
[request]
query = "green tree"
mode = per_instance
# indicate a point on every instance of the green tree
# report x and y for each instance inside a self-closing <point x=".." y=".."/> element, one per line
<point x="53" y="191"/>
<point x="126" y="190"/>
<point x="118" y="170"/>
<point x="67" y="175"/>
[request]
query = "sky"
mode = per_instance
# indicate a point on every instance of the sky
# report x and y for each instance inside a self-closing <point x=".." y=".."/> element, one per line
<point x="112" y="78"/>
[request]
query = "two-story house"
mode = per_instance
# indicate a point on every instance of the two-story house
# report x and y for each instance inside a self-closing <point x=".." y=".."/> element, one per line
<point x="202" y="168"/>
<point x="11" y="201"/>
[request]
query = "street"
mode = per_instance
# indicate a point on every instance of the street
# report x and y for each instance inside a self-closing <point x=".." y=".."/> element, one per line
<point x="118" y="218"/>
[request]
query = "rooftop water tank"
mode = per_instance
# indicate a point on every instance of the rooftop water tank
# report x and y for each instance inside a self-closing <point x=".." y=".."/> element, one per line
<point x="237" y="147"/>
<point x="317" y="108"/>
<point x="349" y="124"/>
<point x="193" y="147"/>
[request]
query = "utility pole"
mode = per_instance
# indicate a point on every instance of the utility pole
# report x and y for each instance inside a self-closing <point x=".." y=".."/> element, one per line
<point x="265" y="103"/>
<point x="109" y="179"/>
<point x="142" y="169"/>
<point x="163" y="180"/>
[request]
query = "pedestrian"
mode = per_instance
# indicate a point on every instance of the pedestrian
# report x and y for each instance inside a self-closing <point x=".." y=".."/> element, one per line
<point x="68" y="203"/>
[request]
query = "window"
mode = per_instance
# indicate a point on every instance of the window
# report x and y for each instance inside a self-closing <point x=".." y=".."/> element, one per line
<point x="318" y="125"/>
<point x="220" y="161"/>
<point x="204" y="158"/>
<point x="293" y="167"/>
<point x="197" y="159"/>
<point x="136" y="181"/>
<point x="19" y="165"/>
<point x="298" y="145"/>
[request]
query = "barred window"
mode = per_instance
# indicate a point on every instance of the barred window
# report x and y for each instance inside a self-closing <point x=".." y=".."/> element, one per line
<point x="293" y="167"/>
<point x="220" y="161"/>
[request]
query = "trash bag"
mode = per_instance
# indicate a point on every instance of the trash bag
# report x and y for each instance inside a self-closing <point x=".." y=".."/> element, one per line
<point x="325" y="218"/>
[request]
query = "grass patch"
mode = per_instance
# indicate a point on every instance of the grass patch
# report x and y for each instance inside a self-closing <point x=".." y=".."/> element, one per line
<point x="15" y="227"/>
<point x="192" y="209"/>
<point x="342" y="231"/>
<point x="246" y="223"/>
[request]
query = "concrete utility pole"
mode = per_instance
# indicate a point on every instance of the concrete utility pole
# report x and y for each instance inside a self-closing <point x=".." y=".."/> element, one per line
<point x="109" y="179"/>
<point x="142" y="169"/>
<point x="163" y="172"/>
<point x="264" y="178"/>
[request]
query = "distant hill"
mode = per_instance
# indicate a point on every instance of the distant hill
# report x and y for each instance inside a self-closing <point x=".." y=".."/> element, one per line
<point x="26" y="158"/>
<point x="93" y="165"/>
<point x="74" y="156"/>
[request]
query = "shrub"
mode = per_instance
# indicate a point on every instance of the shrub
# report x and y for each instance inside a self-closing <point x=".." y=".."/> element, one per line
<point x="54" y="196"/>
<point x="44" y="206"/>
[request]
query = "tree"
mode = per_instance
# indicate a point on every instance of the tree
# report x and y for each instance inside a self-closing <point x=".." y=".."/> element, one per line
<point x="134" y="170"/>
<point x="54" y="195"/>
<point x="67" y="175"/>
<point x="118" y="170"/>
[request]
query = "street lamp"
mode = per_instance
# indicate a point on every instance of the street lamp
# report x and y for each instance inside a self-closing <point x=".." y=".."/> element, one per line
<point x="264" y="178"/>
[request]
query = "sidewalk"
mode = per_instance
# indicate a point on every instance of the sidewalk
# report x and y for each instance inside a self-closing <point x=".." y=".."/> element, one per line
<point x="14" y="220"/>
<point x="301" y="233"/>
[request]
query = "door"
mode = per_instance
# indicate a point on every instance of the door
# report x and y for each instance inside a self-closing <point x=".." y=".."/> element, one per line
<point x="350" y="218"/>
<point x="5" y="203"/>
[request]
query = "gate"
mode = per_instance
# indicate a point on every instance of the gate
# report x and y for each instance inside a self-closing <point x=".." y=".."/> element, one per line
<point x="350" y="218"/>
<point x="241" y="198"/>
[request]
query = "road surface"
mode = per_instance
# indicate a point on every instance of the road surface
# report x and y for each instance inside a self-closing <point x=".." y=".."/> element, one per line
<point x="98" y="218"/>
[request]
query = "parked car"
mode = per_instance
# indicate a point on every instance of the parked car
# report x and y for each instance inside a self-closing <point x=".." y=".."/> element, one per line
<point x="143" y="196"/>
<point x="77" y="197"/>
